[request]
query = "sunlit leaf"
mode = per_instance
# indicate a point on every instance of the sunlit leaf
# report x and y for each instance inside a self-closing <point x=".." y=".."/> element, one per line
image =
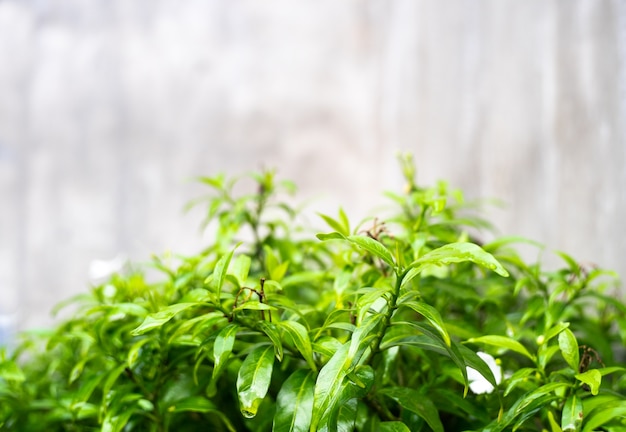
<point x="157" y="319"/>
<point x="328" y="384"/>
<point x="221" y="268"/>
<point x="222" y="347"/>
<point x="503" y="342"/>
<point x="569" y="348"/>
<point x="456" y="253"/>
<point x="592" y="378"/>
<point x="254" y="378"/>
<point x="374" y="247"/>
<point x="572" y="417"/>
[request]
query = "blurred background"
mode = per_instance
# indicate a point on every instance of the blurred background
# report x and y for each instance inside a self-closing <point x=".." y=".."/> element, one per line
<point x="109" y="107"/>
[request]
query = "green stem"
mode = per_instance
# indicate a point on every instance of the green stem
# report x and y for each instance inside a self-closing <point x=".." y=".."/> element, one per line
<point x="391" y="308"/>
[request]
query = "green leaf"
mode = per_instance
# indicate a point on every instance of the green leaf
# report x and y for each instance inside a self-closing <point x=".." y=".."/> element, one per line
<point x="294" y="403"/>
<point x="569" y="348"/>
<point x="254" y="305"/>
<point x="272" y="332"/>
<point x="572" y="417"/>
<point x="77" y="370"/>
<point x="556" y="330"/>
<point x="593" y="378"/>
<point x="605" y="413"/>
<point x="334" y="224"/>
<point x="456" y="253"/>
<point x="330" y="236"/>
<point x="133" y="352"/>
<point x="221" y="268"/>
<point x="393" y="426"/>
<point x="156" y="320"/>
<point x="503" y="342"/>
<point x="300" y="337"/>
<point x="223" y="347"/>
<point x="86" y="388"/>
<point x="474" y="361"/>
<point x="345" y="222"/>
<point x="240" y="268"/>
<point x="417" y="403"/>
<point x="432" y="316"/>
<point x="10" y="371"/>
<point x="374" y="247"/>
<point x="341" y="412"/>
<point x="192" y="404"/>
<point x="362" y="335"/>
<point x="254" y="379"/>
<point x="328" y="384"/>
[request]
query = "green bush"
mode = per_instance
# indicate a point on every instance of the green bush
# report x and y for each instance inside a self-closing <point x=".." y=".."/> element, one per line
<point x="403" y="323"/>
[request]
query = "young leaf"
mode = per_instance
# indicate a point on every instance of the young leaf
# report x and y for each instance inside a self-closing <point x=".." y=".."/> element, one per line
<point x="592" y="378"/>
<point x="503" y="342"/>
<point x="222" y="347"/>
<point x="374" y="247"/>
<point x="10" y="371"/>
<point x="572" y="417"/>
<point x="240" y="268"/>
<point x="221" y="268"/>
<point x="157" y="319"/>
<point x="254" y="379"/>
<point x="300" y="337"/>
<point x="417" y="403"/>
<point x="294" y="403"/>
<point x="336" y="225"/>
<point x="569" y="348"/>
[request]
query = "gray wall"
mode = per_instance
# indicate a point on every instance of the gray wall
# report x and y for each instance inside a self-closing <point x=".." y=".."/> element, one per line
<point x="108" y="107"/>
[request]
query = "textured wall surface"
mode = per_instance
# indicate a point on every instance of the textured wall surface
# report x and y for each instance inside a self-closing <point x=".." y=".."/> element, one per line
<point x="108" y="107"/>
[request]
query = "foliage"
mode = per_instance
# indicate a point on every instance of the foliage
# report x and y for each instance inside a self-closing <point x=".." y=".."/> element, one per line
<point x="403" y="325"/>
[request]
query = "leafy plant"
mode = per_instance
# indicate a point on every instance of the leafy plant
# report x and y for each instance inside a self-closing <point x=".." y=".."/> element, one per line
<point x="403" y="323"/>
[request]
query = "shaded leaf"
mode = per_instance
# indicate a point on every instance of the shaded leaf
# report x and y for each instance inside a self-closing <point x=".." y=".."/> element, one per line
<point x="417" y="403"/>
<point x="432" y="315"/>
<point x="393" y="426"/>
<point x="272" y="332"/>
<point x="300" y="337"/>
<point x="604" y="414"/>
<point x="294" y="403"/>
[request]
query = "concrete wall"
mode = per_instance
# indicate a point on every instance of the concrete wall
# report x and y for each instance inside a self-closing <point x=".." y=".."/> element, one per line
<point x="108" y="107"/>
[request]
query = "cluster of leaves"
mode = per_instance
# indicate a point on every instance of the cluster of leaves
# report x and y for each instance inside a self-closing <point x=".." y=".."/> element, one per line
<point x="387" y="326"/>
